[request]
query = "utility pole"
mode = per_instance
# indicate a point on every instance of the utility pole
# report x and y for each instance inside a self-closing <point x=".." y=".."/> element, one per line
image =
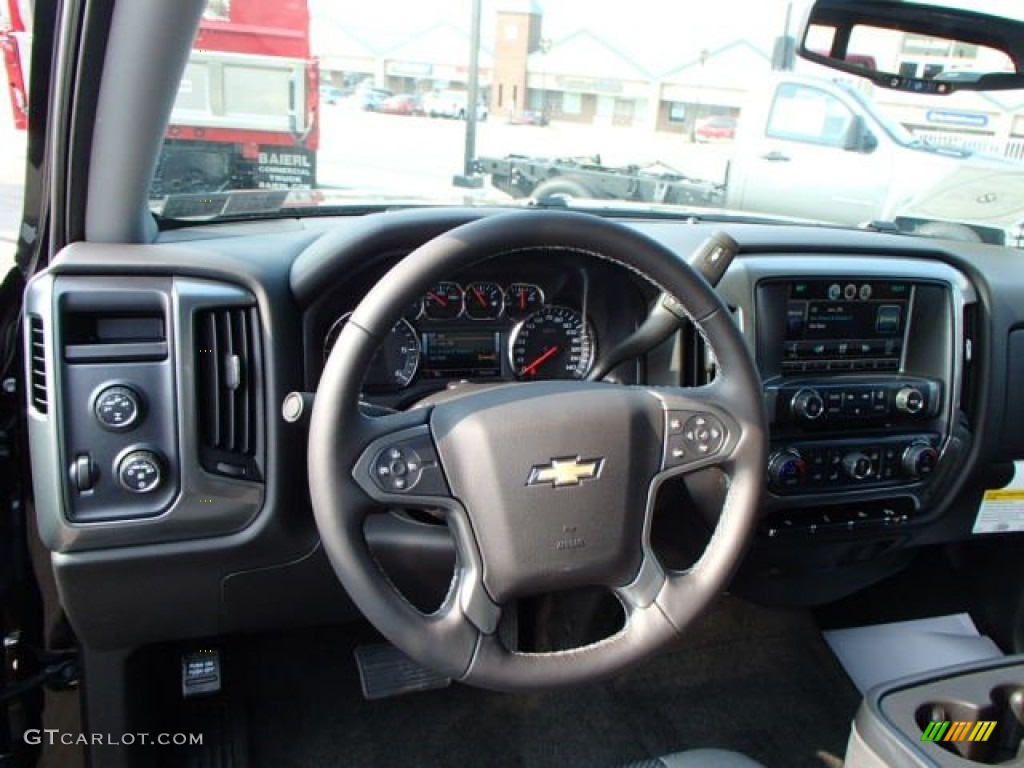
<point x="468" y="178"/>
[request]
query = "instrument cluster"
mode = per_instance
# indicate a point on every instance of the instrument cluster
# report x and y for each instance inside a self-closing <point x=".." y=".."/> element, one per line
<point x="480" y="330"/>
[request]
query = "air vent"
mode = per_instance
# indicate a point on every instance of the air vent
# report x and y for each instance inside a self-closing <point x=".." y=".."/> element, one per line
<point x="968" y="381"/>
<point x="37" y="351"/>
<point x="228" y="391"/>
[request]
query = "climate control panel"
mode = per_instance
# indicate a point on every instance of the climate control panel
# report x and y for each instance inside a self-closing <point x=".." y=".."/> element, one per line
<point x="821" y="467"/>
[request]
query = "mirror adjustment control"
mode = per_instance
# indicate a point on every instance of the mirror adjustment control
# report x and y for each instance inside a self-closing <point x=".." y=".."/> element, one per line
<point x="118" y="408"/>
<point x="140" y="471"/>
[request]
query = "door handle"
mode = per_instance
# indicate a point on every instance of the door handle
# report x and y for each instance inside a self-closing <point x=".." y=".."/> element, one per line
<point x="775" y="157"/>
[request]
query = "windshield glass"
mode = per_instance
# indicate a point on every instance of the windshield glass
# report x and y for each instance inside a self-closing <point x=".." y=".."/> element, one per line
<point x="305" y="106"/>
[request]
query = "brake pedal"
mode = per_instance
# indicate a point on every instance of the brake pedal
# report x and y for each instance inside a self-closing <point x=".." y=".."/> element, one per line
<point x="384" y="671"/>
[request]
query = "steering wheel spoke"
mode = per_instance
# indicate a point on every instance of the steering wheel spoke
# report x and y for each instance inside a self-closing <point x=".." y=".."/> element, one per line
<point x="401" y="466"/>
<point x="699" y="429"/>
<point x="641" y="593"/>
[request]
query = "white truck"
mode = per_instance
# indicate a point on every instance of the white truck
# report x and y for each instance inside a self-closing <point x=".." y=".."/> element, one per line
<point x="815" y="149"/>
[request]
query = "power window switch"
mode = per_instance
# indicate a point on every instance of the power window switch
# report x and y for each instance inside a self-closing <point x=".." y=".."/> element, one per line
<point x="200" y="673"/>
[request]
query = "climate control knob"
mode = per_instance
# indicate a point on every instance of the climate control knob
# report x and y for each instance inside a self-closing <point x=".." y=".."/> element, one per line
<point x="857" y="466"/>
<point x="787" y="469"/>
<point x="807" y="404"/>
<point x="909" y="400"/>
<point x="919" y="460"/>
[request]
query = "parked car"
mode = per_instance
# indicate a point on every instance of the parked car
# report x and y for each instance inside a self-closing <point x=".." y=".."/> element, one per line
<point x="528" y="117"/>
<point x="330" y="94"/>
<point x="452" y="104"/>
<point x="716" y="128"/>
<point x="369" y="99"/>
<point x="402" y="104"/>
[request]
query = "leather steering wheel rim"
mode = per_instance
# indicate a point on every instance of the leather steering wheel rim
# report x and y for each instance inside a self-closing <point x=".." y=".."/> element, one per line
<point x="460" y="639"/>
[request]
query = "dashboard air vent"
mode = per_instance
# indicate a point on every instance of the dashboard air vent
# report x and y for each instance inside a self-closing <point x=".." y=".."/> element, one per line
<point x="968" y="383"/>
<point x="229" y="391"/>
<point x="37" y="352"/>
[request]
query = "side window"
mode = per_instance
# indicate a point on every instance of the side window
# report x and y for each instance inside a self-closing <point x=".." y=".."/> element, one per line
<point x="803" y="113"/>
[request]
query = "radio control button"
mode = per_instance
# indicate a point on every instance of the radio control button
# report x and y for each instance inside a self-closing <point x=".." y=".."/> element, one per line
<point x="808" y="405"/>
<point x="910" y="400"/>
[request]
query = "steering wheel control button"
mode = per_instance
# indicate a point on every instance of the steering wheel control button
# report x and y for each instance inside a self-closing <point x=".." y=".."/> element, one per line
<point x="140" y="471"/>
<point x="691" y="437"/>
<point x="118" y="408"/>
<point x="409" y="465"/>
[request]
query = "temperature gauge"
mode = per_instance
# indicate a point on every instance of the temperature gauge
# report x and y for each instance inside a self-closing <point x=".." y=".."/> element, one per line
<point x="522" y="300"/>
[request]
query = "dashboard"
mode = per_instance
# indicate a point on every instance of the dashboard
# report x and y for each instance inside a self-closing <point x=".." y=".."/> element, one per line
<point x="159" y="371"/>
<point x="546" y="317"/>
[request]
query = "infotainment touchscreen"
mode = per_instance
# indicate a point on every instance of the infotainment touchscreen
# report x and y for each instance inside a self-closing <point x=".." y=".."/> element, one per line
<point x="833" y="320"/>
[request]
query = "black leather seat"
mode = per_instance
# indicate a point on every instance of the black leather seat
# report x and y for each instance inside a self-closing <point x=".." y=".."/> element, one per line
<point x="699" y="758"/>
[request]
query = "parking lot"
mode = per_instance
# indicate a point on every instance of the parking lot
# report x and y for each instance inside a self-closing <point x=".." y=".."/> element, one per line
<point x="419" y="155"/>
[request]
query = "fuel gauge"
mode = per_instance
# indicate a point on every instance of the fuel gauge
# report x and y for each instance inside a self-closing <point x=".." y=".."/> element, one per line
<point x="522" y="300"/>
<point x="443" y="301"/>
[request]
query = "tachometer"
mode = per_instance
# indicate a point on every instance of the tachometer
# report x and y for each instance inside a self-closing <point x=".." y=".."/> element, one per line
<point x="552" y="343"/>
<point x="396" y="361"/>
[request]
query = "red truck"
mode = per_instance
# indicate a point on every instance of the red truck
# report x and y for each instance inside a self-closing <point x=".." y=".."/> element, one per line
<point x="246" y="116"/>
<point x="14" y="46"/>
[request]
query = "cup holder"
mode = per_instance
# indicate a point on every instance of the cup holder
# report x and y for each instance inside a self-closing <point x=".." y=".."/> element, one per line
<point x="1005" y="707"/>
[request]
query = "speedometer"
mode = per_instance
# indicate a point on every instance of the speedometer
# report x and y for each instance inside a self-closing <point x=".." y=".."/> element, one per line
<point x="552" y="343"/>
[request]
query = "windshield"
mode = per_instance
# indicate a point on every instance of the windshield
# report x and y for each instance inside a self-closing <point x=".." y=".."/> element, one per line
<point x="308" y="106"/>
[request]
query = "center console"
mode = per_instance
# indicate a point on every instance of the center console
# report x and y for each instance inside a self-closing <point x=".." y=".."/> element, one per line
<point x="862" y="362"/>
<point x="970" y="715"/>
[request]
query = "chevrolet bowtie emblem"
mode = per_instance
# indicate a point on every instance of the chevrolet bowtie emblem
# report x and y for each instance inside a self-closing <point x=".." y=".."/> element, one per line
<point x="564" y="472"/>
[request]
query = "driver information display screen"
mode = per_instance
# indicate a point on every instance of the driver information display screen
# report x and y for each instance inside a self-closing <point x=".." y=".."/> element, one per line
<point x="846" y="319"/>
<point x="470" y="355"/>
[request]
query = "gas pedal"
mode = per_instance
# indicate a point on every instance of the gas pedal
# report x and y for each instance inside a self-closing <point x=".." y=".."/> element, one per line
<point x="384" y="671"/>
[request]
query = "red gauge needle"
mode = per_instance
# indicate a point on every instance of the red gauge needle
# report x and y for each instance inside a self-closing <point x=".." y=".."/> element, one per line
<point x="439" y="299"/>
<point x="522" y="298"/>
<point x="532" y="367"/>
<point x="480" y="296"/>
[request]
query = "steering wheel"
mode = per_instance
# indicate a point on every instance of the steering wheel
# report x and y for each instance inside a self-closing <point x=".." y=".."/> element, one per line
<point x="545" y="486"/>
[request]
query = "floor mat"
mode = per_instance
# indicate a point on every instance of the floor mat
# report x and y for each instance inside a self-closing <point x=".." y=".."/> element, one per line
<point x="756" y="680"/>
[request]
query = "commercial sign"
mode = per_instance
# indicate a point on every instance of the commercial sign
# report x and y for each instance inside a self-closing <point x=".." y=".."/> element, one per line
<point x="952" y="117"/>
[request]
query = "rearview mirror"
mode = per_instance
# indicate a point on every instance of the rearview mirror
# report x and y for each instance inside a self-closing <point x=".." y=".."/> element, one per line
<point x="910" y="46"/>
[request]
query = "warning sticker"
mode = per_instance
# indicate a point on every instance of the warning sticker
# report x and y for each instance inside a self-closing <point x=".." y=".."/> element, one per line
<point x="1002" y="510"/>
